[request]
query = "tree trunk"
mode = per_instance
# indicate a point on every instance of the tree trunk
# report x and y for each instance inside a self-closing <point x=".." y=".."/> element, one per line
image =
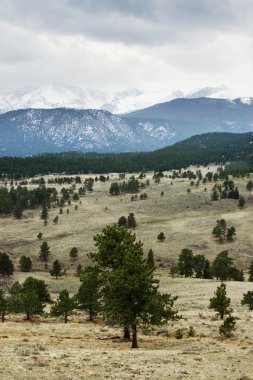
<point x="222" y="314"/>
<point x="28" y="316"/>
<point x="3" y="316"/>
<point x="134" y="338"/>
<point x="65" y="317"/>
<point x="127" y="333"/>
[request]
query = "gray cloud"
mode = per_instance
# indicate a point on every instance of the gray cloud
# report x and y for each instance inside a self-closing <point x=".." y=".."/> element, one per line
<point x="132" y="22"/>
<point x="126" y="43"/>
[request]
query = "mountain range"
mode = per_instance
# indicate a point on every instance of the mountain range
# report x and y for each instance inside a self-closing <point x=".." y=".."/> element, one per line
<point x="80" y="97"/>
<point x="75" y="127"/>
<point x="33" y="131"/>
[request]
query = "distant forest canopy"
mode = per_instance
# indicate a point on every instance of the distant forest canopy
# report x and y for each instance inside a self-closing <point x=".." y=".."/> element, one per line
<point x="216" y="147"/>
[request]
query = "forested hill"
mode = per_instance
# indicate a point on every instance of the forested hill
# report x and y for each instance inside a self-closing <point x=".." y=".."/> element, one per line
<point x="200" y="149"/>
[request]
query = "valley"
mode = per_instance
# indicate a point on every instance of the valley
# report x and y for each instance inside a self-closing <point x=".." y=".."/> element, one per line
<point x="81" y="349"/>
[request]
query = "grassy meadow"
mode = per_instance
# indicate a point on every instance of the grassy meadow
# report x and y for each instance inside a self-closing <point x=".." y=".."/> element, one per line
<point x="80" y="350"/>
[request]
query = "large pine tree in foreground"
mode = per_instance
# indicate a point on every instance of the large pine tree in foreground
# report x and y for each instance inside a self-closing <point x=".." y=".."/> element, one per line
<point x="130" y="295"/>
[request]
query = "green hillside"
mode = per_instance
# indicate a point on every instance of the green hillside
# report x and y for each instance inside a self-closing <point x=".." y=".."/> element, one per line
<point x="200" y="149"/>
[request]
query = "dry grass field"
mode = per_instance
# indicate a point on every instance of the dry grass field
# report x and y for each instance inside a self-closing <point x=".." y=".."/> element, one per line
<point x="50" y="349"/>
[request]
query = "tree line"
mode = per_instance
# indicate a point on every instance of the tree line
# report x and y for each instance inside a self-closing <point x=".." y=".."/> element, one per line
<point x="197" y="150"/>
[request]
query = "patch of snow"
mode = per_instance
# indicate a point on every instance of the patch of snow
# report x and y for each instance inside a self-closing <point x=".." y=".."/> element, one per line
<point x="246" y="100"/>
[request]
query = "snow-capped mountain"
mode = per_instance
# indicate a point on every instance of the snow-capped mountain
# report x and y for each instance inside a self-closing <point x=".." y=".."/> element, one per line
<point x="54" y="96"/>
<point x="33" y="131"/>
<point x="80" y="97"/>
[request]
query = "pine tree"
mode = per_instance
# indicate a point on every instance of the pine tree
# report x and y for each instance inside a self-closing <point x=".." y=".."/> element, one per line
<point x="131" y="222"/>
<point x="44" y="251"/>
<point x="88" y="294"/>
<point x="29" y="297"/>
<point x="25" y="264"/>
<point x="130" y="294"/>
<point x="44" y="212"/>
<point x="227" y="328"/>
<point x="161" y="237"/>
<point x="220" y="230"/>
<point x="64" y="305"/>
<point x="186" y="263"/>
<point x="18" y="211"/>
<point x="150" y="259"/>
<point x="222" y="266"/>
<point x="6" y="265"/>
<point x="114" y="189"/>
<point x="56" y="270"/>
<point x="241" y="202"/>
<point x="220" y="302"/>
<point x="122" y="222"/>
<point x="251" y="272"/>
<point x="73" y="253"/>
<point x="248" y="299"/>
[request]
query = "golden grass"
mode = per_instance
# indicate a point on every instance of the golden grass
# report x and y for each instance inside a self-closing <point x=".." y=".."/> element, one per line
<point x="50" y="349"/>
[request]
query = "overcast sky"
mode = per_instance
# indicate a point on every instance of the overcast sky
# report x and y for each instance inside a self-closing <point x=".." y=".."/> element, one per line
<point x="118" y="44"/>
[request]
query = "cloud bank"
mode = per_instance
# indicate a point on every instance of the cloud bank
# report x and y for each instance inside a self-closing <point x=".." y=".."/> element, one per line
<point x="111" y="44"/>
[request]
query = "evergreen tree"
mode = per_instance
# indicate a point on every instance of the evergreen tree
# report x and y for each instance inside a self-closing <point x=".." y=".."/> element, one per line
<point x="130" y="294"/>
<point x="150" y="259"/>
<point x="56" y="270"/>
<point x="201" y="266"/>
<point x="88" y="293"/>
<point x="73" y="253"/>
<point x="248" y="299"/>
<point x="251" y="272"/>
<point x="6" y="265"/>
<point x="220" y="302"/>
<point x="230" y="233"/>
<point x="222" y="266"/>
<point x="227" y="328"/>
<point x="29" y="297"/>
<point x="64" y="305"/>
<point x="25" y="264"/>
<point x="207" y="270"/>
<point x="122" y="222"/>
<point x="131" y="222"/>
<point x="223" y="232"/>
<point x="186" y="263"/>
<point x="161" y="237"/>
<point x="220" y="230"/>
<point x="114" y="188"/>
<point x="44" y="251"/>
<point x="18" y="211"/>
<point x="30" y="303"/>
<point x="39" y="287"/>
<point x="44" y="212"/>
<point x="112" y="245"/>
<point x="241" y="202"/>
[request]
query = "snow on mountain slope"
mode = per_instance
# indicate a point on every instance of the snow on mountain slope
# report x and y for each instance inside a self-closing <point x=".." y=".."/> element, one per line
<point x="54" y="96"/>
<point x="33" y="131"/>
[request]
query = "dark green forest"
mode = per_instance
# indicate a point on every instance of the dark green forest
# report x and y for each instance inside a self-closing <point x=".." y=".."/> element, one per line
<point x="216" y="147"/>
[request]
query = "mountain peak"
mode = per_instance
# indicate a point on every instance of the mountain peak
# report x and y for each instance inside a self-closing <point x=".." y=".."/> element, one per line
<point x="56" y="95"/>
